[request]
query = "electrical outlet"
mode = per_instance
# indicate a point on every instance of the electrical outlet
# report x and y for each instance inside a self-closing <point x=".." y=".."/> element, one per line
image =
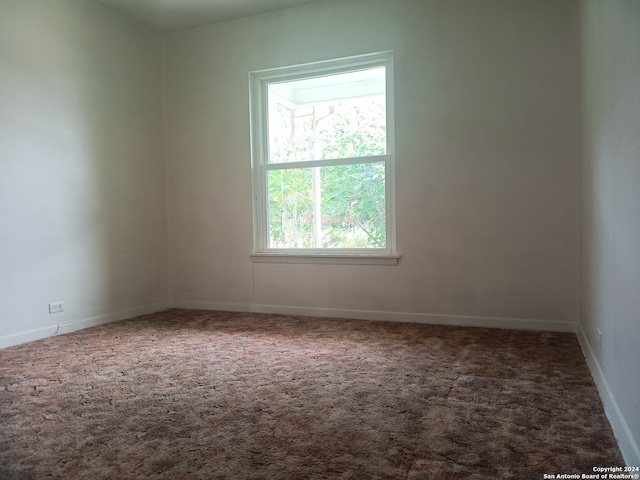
<point x="56" y="307"/>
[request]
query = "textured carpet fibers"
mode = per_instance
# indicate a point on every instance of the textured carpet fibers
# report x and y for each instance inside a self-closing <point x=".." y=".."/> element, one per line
<point x="218" y="395"/>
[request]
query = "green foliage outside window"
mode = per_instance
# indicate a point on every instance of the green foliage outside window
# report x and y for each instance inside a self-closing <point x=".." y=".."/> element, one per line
<point x="352" y="199"/>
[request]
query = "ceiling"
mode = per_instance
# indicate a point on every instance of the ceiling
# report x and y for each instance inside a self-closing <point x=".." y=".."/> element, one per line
<point x="172" y="15"/>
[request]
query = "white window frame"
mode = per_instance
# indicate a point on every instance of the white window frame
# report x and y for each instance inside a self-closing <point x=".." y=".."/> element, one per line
<point x="258" y="83"/>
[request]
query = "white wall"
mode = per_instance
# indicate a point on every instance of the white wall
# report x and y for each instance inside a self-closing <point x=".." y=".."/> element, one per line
<point x="488" y="177"/>
<point x="82" y="181"/>
<point x="487" y="123"/>
<point x="611" y="214"/>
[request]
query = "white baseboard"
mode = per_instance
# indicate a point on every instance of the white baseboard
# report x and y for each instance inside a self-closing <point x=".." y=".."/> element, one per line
<point x="27" y="336"/>
<point x="112" y="317"/>
<point x="628" y="445"/>
<point x="427" y="318"/>
<point x="72" y="326"/>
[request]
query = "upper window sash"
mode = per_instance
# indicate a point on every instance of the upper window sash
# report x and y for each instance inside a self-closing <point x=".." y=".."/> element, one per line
<point x="261" y="79"/>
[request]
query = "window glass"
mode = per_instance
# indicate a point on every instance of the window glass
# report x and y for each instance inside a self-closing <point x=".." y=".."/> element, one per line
<point x="336" y="116"/>
<point x="339" y="206"/>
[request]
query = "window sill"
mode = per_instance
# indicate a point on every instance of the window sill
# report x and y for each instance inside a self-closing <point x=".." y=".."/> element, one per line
<point x="327" y="258"/>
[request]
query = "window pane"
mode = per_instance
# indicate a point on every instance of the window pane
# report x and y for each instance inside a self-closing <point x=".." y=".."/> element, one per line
<point x="290" y="208"/>
<point x="353" y="206"/>
<point x="339" y="206"/>
<point x="335" y="116"/>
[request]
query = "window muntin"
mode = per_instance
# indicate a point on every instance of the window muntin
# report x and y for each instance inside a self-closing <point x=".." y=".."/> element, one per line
<point x="322" y="162"/>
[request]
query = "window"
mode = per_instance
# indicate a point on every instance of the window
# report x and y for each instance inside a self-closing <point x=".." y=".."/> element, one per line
<point x="322" y="158"/>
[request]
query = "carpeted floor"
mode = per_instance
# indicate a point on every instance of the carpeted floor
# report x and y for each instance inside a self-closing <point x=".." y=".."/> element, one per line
<point x="218" y="395"/>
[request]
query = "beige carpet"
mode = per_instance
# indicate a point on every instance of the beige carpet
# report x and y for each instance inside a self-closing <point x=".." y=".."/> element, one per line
<point x="217" y="395"/>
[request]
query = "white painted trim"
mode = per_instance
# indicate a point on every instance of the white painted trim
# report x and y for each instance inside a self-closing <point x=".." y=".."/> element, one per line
<point x="116" y="316"/>
<point x="326" y="258"/>
<point x="74" y="325"/>
<point x="27" y="336"/>
<point x="628" y="445"/>
<point x="410" y="317"/>
<point x="327" y="163"/>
